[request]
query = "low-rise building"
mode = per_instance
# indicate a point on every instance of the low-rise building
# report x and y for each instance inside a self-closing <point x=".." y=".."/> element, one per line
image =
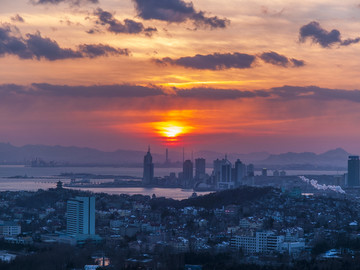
<point x="9" y="228"/>
<point x="292" y="248"/>
<point x="6" y="257"/>
<point x="251" y="223"/>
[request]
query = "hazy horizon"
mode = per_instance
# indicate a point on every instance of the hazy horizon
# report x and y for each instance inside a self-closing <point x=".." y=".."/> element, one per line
<point x="161" y="149"/>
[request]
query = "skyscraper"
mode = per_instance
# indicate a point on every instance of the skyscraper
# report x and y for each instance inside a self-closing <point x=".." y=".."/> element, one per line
<point x="81" y="217"/>
<point x="216" y="172"/>
<point x="188" y="174"/>
<point x="353" y="171"/>
<point x="250" y="170"/>
<point x="148" y="169"/>
<point x="225" y="179"/>
<point x="199" y="168"/>
<point x="240" y="172"/>
<point x="225" y="171"/>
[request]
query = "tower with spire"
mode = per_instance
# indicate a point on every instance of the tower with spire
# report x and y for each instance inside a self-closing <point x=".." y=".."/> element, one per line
<point x="148" y="174"/>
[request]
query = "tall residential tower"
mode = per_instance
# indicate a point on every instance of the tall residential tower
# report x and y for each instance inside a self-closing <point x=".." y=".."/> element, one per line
<point x="353" y="171"/>
<point x="200" y="168"/>
<point x="148" y="175"/>
<point x="188" y="174"/>
<point x="81" y="217"/>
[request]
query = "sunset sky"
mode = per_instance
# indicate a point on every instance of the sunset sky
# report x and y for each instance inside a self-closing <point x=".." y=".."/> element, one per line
<point x="230" y="76"/>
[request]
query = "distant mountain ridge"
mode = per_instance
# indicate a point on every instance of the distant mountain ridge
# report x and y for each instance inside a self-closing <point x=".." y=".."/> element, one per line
<point x="71" y="155"/>
<point x="332" y="158"/>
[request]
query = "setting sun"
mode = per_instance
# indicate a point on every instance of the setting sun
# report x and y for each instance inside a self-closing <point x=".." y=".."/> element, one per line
<point x="171" y="130"/>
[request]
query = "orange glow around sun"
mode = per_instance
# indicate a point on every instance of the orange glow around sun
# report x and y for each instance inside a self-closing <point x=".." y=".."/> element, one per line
<point x="171" y="131"/>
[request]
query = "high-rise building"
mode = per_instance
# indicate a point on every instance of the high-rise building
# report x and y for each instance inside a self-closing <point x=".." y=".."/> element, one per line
<point x="216" y="172"/>
<point x="200" y="168"/>
<point x="250" y="170"/>
<point x="81" y="217"/>
<point x="225" y="176"/>
<point x="239" y="172"/>
<point x="148" y="175"/>
<point x="225" y="171"/>
<point x="188" y="173"/>
<point x="353" y="171"/>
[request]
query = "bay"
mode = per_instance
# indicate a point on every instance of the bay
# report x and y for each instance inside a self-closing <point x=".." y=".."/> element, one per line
<point x="34" y="178"/>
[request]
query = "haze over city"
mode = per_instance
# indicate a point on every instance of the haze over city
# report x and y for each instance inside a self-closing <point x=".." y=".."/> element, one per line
<point x="243" y="76"/>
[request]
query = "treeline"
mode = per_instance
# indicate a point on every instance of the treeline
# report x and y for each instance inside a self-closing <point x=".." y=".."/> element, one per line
<point x="218" y="199"/>
<point x="54" y="257"/>
<point x="45" y="198"/>
<point x="63" y="257"/>
<point x="226" y="261"/>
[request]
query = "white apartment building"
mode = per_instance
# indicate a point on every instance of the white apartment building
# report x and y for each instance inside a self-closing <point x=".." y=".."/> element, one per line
<point x="81" y="216"/>
<point x="260" y="242"/>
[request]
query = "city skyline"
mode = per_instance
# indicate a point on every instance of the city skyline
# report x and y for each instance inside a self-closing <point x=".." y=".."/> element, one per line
<point x="243" y="77"/>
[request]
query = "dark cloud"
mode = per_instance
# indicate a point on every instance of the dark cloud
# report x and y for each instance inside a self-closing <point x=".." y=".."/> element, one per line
<point x="124" y="91"/>
<point x="350" y="41"/>
<point x="38" y="47"/>
<point x="13" y="45"/>
<point x="176" y="11"/>
<point x="218" y="94"/>
<point x="48" y="49"/>
<point x="17" y="18"/>
<point x="284" y="93"/>
<point x="216" y="61"/>
<point x="280" y="60"/>
<point x="71" y="2"/>
<point x="117" y="27"/>
<point x="326" y="39"/>
<point x="319" y="35"/>
<point x="95" y="91"/>
<point x="297" y="63"/>
<point x="105" y="91"/>
<point x="95" y="50"/>
<point x="316" y="93"/>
